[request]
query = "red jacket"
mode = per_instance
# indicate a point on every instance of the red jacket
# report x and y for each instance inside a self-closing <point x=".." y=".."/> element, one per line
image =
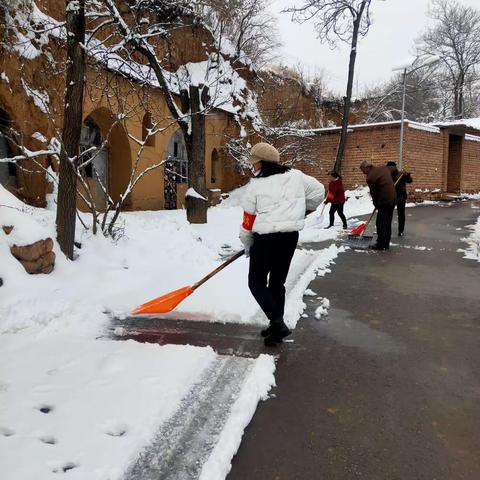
<point x="336" y="192"/>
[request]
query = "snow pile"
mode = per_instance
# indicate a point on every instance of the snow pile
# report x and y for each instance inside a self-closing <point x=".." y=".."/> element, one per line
<point x="473" y="240"/>
<point x="322" y="310"/>
<point x="256" y="388"/>
<point x="472" y="196"/>
<point x="318" y="267"/>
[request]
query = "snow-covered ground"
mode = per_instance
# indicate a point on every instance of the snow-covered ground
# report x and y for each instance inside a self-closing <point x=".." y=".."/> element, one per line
<point x="70" y="401"/>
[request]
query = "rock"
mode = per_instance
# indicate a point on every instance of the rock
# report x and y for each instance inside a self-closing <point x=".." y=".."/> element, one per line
<point x="32" y="252"/>
<point x="7" y="229"/>
<point x="37" y="257"/>
<point x="43" y="264"/>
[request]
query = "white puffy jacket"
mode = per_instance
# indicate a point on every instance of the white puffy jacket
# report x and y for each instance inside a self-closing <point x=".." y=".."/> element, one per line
<point x="280" y="201"/>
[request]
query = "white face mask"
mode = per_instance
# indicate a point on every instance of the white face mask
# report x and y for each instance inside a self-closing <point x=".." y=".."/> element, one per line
<point x="255" y="173"/>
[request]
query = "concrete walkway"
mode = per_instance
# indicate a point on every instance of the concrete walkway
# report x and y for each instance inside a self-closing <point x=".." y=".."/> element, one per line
<point x="387" y="387"/>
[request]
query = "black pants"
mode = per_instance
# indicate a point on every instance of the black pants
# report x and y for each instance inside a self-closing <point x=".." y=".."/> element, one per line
<point x="401" y="214"/>
<point x="270" y="256"/>
<point x="337" y="207"/>
<point x="384" y="224"/>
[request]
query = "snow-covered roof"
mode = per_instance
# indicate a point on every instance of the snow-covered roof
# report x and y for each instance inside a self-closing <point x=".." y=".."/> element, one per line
<point x="416" y="125"/>
<point x="463" y="122"/>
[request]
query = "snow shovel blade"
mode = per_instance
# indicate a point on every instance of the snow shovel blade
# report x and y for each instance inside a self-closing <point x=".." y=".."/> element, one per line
<point x="359" y="229"/>
<point x="164" y="304"/>
<point x="361" y="242"/>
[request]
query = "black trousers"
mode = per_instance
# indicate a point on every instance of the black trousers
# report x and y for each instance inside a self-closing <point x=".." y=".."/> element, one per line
<point x="337" y="207"/>
<point x="401" y="214"/>
<point x="270" y="258"/>
<point x="384" y="224"/>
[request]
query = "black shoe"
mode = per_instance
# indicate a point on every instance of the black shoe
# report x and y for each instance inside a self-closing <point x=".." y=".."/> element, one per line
<point x="400" y="234"/>
<point x="330" y="226"/>
<point x="377" y="247"/>
<point x="345" y="227"/>
<point x="266" y="331"/>
<point x="278" y="333"/>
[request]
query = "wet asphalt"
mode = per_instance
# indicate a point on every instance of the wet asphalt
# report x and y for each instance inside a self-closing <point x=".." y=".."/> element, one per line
<point x="387" y="386"/>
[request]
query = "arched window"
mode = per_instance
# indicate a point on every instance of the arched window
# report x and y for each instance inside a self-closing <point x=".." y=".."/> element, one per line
<point x="147" y="125"/>
<point x="91" y="136"/>
<point x="8" y="170"/>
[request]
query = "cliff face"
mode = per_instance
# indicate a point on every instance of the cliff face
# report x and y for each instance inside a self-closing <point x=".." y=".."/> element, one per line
<point x="32" y="67"/>
<point x="288" y="101"/>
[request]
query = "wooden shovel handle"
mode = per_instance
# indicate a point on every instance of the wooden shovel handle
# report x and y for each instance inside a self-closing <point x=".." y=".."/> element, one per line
<point x="218" y="269"/>
<point x="368" y="222"/>
<point x="373" y="213"/>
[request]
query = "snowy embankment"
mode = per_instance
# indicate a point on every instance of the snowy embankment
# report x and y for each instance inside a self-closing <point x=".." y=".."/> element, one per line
<point x="70" y="402"/>
<point x="472" y="252"/>
<point x="158" y="253"/>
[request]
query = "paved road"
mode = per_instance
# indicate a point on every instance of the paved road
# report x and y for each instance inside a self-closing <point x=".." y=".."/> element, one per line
<point x="388" y="386"/>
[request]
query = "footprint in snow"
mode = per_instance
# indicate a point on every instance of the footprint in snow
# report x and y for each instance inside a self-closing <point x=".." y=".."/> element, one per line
<point x="115" y="429"/>
<point x="65" y="467"/>
<point x="48" y="439"/>
<point x="6" y="432"/>
<point x="45" y="408"/>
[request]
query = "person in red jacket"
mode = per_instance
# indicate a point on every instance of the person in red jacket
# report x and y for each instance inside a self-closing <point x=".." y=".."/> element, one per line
<point x="336" y="196"/>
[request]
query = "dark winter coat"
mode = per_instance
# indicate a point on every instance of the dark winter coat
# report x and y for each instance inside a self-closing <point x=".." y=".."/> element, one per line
<point x="336" y="192"/>
<point x="381" y="186"/>
<point x="401" y="186"/>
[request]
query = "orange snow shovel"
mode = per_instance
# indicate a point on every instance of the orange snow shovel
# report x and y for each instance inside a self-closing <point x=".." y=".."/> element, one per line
<point x="166" y="303"/>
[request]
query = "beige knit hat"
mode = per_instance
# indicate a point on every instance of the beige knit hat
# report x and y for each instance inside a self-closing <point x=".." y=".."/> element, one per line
<point x="263" y="151"/>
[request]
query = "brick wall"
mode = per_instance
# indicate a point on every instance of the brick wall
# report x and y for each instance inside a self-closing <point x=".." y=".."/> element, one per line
<point x="471" y="166"/>
<point x="424" y="159"/>
<point x="426" y="155"/>
<point x="378" y="145"/>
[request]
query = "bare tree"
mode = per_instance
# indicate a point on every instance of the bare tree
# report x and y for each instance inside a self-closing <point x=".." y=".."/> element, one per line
<point x="422" y="103"/>
<point x="455" y="38"/>
<point x="194" y="97"/>
<point x="246" y="24"/>
<point x="344" y="20"/>
<point x="72" y="123"/>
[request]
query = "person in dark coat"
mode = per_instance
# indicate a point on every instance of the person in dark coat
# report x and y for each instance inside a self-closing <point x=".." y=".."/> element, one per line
<point x="382" y="190"/>
<point x="336" y="196"/>
<point x="401" y="191"/>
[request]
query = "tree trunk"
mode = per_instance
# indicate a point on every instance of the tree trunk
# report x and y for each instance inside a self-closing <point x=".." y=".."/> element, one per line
<point x="348" y="98"/>
<point x="72" y="123"/>
<point x="195" y="144"/>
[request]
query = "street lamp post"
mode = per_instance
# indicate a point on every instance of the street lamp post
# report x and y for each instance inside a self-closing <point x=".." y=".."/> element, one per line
<point x="429" y="61"/>
<point x="400" y="159"/>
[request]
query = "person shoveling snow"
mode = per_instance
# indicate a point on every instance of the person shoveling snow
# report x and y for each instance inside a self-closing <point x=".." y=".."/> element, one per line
<point x="275" y="203"/>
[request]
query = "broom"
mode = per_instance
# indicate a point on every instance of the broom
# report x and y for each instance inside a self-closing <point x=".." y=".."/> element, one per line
<point x="166" y="303"/>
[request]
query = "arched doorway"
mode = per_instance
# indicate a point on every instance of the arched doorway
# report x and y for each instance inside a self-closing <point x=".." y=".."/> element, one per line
<point x="96" y="169"/>
<point x="175" y="170"/>
<point x="8" y="170"/>
<point x="113" y="163"/>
